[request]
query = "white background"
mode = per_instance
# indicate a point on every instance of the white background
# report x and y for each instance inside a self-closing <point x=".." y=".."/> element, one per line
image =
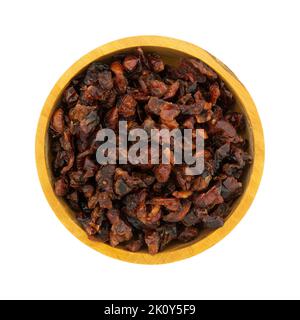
<point x="258" y="40"/>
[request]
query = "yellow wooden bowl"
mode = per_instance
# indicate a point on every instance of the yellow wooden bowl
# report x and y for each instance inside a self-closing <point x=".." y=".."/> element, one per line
<point x="170" y="50"/>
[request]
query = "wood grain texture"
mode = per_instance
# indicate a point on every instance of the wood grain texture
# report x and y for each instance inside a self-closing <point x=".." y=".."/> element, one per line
<point x="168" y="48"/>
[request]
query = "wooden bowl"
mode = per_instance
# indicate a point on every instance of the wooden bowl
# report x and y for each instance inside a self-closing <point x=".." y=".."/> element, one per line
<point x="170" y="50"/>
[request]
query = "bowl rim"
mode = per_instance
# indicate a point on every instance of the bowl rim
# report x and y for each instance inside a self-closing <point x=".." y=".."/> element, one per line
<point x="255" y="127"/>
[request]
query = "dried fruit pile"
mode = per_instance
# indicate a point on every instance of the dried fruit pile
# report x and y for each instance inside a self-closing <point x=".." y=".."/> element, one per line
<point x="147" y="205"/>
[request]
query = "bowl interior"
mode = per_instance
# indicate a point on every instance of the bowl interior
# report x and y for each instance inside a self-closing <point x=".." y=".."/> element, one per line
<point x="171" y="57"/>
